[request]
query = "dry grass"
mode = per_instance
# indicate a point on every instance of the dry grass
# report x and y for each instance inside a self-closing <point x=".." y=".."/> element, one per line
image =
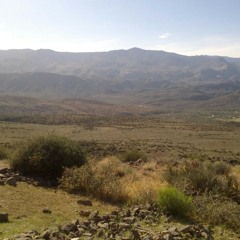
<point x="162" y="140"/>
<point x="25" y="203"/>
<point x="143" y="182"/>
<point x="159" y="138"/>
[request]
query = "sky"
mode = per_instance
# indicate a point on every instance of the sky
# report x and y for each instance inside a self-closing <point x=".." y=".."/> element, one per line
<point x="188" y="27"/>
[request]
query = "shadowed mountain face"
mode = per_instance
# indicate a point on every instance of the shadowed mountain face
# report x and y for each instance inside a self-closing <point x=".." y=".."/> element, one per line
<point x="154" y="78"/>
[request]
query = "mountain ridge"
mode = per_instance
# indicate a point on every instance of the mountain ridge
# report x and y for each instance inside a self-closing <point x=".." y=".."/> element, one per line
<point x="134" y="76"/>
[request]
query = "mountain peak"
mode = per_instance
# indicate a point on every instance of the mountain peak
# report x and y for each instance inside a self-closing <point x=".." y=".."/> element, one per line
<point x="135" y="49"/>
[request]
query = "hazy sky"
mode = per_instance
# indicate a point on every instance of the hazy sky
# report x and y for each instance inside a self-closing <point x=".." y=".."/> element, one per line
<point x="189" y="27"/>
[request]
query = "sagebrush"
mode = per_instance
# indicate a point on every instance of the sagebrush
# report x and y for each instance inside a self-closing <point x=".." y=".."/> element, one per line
<point x="196" y="178"/>
<point x="47" y="156"/>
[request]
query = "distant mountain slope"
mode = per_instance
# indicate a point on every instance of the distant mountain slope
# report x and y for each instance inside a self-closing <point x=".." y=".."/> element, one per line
<point x="134" y="76"/>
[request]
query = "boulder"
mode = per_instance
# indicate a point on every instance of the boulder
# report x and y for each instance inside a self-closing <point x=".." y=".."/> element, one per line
<point x="47" y="211"/>
<point x="12" y="181"/>
<point x="3" y="170"/>
<point x="3" y="217"/>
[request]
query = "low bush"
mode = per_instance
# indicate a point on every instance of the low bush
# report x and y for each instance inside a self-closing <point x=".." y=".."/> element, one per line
<point x="132" y="156"/>
<point x="221" y="168"/>
<point x="215" y="210"/>
<point x="197" y="178"/>
<point x="47" y="156"/>
<point x="175" y="202"/>
<point x="102" y="181"/>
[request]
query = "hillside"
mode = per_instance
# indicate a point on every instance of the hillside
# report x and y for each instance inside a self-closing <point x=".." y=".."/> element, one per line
<point x="159" y="80"/>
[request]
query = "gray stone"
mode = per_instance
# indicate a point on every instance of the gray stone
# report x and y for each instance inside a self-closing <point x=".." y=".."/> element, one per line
<point x="103" y="225"/>
<point x="94" y="214"/>
<point x="136" y="234"/>
<point x="3" y="170"/>
<point x="47" y="211"/>
<point x="2" y="175"/>
<point x="129" y="219"/>
<point x="204" y="235"/>
<point x="185" y="229"/>
<point x="12" y="181"/>
<point x="85" y="202"/>
<point x="46" y="234"/>
<point x="168" y="237"/>
<point x="3" y="217"/>
<point x="84" y="213"/>
<point x="69" y="228"/>
<point x="124" y="225"/>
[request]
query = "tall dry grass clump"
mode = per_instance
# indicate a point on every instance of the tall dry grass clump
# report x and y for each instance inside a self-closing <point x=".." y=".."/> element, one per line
<point x="101" y="180"/>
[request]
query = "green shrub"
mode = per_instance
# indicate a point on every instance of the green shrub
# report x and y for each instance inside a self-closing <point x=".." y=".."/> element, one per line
<point x="174" y="201"/>
<point x="102" y="182"/>
<point x="132" y="156"/>
<point x="46" y="157"/>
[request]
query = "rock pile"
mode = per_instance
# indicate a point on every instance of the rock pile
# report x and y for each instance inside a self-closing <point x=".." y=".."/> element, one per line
<point x="9" y="177"/>
<point x="122" y="225"/>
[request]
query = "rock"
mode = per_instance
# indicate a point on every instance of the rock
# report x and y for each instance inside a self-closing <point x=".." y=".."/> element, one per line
<point x="168" y="236"/>
<point x="103" y="225"/>
<point x="47" y="211"/>
<point x="3" y="217"/>
<point x="116" y="212"/>
<point x="46" y="234"/>
<point x="25" y="236"/>
<point x="130" y="219"/>
<point x="124" y="225"/>
<point x="76" y="222"/>
<point x="3" y="170"/>
<point x="120" y="225"/>
<point x="136" y="211"/>
<point x="86" y="234"/>
<point x="12" y="181"/>
<point x="100" y="233"/>
<point x="136" y="234"/>
<point x="84" y="213"/>
<point x="2" y="175"/>
<point x="69" y="228"/>
<point x="94" y="214"/>
<point x="85" y="202"/>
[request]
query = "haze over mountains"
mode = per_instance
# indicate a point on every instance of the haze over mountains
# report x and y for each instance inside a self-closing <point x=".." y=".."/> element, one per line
<point x="149" y="80"/>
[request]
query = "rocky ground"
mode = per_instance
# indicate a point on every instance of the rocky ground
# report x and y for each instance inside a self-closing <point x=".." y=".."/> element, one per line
<point x="138" y="222"/>
<point x="120" y="224"/>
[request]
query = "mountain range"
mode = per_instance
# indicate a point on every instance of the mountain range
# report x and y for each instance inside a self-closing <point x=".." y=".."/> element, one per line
<point x="119" y="81"/>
